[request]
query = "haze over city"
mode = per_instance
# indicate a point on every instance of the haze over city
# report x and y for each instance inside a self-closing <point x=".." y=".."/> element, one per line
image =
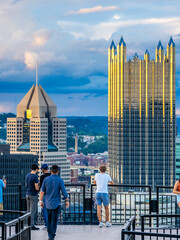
<point x="70" y="40"/>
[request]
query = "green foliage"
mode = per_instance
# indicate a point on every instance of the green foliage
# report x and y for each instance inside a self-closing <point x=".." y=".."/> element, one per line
<point x="99" y="146"/>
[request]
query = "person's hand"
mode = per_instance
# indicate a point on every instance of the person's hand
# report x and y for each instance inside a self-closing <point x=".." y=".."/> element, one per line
<point x="67" y="204"/>
<point x="42" y="205"/>
<point x="4" y="181"/>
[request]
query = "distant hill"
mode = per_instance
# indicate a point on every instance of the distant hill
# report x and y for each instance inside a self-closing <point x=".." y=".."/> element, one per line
<point x="88" y="125"/>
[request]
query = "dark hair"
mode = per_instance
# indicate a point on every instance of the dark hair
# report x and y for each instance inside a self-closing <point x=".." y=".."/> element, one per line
<point x="34" y="167"/>
<point x="54" y="169"/>
<point x="102" y="169"/>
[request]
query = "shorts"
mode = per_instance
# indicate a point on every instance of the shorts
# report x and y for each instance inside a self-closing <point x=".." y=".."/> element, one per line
<point x="1" y="208"/>
<point x="102" y="198"/>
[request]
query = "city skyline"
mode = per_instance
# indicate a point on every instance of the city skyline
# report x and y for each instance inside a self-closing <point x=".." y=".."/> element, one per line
<point x="70" y="41"/>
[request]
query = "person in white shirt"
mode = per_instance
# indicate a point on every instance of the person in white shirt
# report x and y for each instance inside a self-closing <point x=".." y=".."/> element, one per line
<point x="102" y="180"/>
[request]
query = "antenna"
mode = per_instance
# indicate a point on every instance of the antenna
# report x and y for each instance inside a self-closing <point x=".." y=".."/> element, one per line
<point x="37" y="73"/>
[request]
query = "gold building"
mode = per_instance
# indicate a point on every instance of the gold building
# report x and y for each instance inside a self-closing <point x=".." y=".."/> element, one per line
<point x="141" y="116"/>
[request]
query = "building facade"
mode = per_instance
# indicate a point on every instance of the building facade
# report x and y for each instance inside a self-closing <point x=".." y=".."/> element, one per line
<point x="141" y="116"/>
<point x="177" y="158"/>
<point x="37" y="130"/>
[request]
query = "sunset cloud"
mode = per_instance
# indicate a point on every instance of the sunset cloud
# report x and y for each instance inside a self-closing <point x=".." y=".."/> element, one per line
<point x="92" y="10"/>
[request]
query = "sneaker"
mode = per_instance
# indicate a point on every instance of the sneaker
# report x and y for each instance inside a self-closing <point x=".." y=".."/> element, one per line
<point x="44" y="228"/>
<point x="108" y="224"/>
<point x="100" y="225"/>
<point x="34" y="228"/>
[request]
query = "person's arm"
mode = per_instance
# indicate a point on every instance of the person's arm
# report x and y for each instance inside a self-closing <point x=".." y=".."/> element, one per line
<point x="41" y="199"/>
<point x="95" y="182"/>
<point x="4" y="182"/>
<point x="110" y="181"/>
<point x="36" y="183"/>
<point x="64" y="193"/>
<point x="175" y="188"/>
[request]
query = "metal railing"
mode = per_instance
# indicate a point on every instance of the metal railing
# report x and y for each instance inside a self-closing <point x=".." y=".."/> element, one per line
<point x="124" y="203"/>
<point x="130" y="231"/>
<point x="18" y="228"/>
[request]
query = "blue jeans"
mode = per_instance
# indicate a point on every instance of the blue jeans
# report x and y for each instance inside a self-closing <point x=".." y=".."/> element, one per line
<point x="45" y="216"/>
<point x="53" y="215"/>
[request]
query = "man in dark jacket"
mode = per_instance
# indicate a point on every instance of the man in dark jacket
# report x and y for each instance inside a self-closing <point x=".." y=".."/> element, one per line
<point x="32" y="189"/>
<point x="46" y="173"/>
<point x="51" y="188"/>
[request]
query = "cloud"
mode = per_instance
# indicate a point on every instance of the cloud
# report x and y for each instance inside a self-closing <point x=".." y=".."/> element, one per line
<point x="31" y="58"/>
<point x="6" y="107"/>
<point x="92" y="10"/>
<point x="116" y="17"/>
<point x="104" y="30"/>
<point x="41" y="37"/>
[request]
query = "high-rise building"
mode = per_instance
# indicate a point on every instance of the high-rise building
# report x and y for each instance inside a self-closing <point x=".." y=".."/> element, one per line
<point x="141" y="116"/>
<point x="38" y="130"/>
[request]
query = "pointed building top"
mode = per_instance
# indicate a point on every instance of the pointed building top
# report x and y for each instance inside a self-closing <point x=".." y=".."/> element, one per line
<point x="135" y="56"/>
<point x="171" y="42"/>
<point x="121" y="42"/>
<point x="160" y="46"/>
<point x="112" y="45"/>
<point x="146" y="52"/>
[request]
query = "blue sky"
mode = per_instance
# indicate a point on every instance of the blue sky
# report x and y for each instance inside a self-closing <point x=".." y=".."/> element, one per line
<point x="70" y="39"/>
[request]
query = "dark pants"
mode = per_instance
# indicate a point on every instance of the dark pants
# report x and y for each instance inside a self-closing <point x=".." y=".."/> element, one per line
<point x="45" y="216"/>
<point x="32" y="202"/>
<point x="53" y="215"/>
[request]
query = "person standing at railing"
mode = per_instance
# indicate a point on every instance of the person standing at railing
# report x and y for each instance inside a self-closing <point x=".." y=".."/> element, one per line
<point x="102" y="180"/>
<point x="46" y="173"/>
<point x="32" y="190"/>
<point x="51" y="188"/>
<point x="176" y="190"/>
<point x="2" y="186"/>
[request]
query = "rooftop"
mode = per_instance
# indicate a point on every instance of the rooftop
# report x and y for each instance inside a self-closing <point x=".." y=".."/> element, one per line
<point x="81" y="232"/>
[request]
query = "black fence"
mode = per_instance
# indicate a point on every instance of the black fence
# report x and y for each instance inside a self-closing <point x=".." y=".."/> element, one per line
<point x="19" y="228"/>
<point x="126" y="201"/>
<point x="170" y="230"/>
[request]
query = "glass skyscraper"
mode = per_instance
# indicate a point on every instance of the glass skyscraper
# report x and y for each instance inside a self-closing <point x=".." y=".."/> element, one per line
<point x="141" y="116"/>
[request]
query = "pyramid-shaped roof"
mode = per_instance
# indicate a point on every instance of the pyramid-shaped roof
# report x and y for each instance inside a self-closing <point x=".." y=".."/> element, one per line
<point x="38" y="101"/>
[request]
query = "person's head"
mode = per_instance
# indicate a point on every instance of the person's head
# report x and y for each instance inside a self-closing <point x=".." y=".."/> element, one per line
<point x="35" y="168"/>
<point x="44" y="168"/>
<point x="102" y="169"/>
<point x="54" y="169"/>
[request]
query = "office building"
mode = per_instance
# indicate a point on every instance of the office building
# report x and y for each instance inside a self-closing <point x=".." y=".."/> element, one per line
<point x="37" y="130"/>
<point x="141" y="116"/>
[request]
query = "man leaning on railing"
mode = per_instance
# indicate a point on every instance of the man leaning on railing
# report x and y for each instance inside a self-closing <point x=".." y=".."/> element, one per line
<point x="176" y="190"/>
<point x="102" y="180"/>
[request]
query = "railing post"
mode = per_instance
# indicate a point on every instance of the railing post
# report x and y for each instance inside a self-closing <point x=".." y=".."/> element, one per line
<point x="20" y="195"/>
<point x="157" y="197"/>
<point x="122" y="235"/>
<point x="91" y="204"/>
<point x="84" y="212"/>
<point x="142" y="227"/>
<point x="150" y="205"/>
<point x="3" y="231"/>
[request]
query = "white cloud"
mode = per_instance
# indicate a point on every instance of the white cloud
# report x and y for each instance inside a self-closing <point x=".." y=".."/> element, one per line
<point x="116" y="17"/>
<point x="77" y="35"/>
<point x="92" y="10"/>
<point x="41" y="37"/>
<point x="6" y="107"/>
<point x="31" y="58"/>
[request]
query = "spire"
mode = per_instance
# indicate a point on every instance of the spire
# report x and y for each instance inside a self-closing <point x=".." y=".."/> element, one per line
<point x="146" y="52"/>
<point x="112" y="45"/>
<point x="121" y="42"/>
<point x="160" y="46"/>
<point x="171" y="42"/>
<point x="135" y="56"/>
<point x="37" y="73"/>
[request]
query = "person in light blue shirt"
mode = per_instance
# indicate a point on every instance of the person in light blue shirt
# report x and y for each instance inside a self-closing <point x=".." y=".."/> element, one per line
<point x="51" y="188"/>
<point x="2" y="186"/>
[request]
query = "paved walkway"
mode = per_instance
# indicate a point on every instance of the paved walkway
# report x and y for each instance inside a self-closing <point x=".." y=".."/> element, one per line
<point x="74" y="232"/>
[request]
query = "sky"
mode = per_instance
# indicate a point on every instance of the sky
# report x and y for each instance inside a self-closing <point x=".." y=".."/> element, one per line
<point x="70" y="40"/>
